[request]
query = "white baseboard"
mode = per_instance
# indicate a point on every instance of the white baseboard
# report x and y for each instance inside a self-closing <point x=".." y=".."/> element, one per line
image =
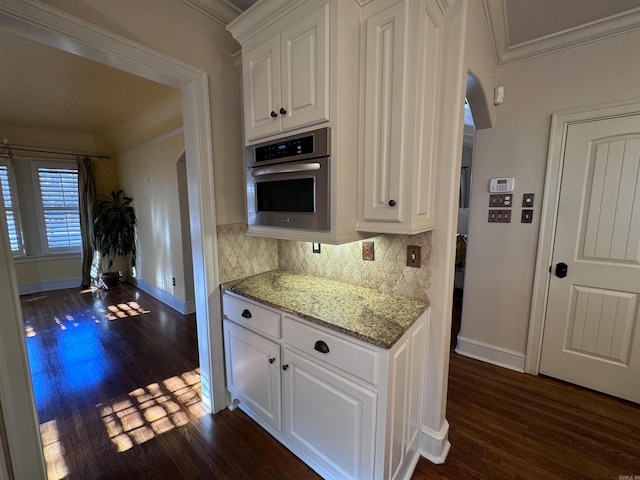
<point x="434" y="446"/>
<point x="181" y="306"/>
<point x="495" y="355"/>
<point x="46" y="286"/>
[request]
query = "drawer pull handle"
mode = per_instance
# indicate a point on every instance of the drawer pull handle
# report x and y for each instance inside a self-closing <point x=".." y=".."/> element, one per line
<point x="321" y="347"/>
<point x="285" y="366"/>
<point x="271" y="360"/>
<point x="246" y="313"/>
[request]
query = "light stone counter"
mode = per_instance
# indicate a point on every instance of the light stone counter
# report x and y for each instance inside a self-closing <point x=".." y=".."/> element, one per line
<point x="376" y="317"/>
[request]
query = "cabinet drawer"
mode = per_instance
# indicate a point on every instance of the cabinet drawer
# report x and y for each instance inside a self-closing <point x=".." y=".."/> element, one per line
<point x="350" y="357"/>
<point x="251" y="315"/>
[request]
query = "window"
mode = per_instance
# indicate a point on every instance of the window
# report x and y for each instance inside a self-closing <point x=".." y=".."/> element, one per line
<point x="59" y="211"/>
<point x="10" y="198"/>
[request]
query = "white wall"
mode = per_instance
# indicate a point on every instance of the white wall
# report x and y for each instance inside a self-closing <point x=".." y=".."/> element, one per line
<point x="501" y="257"/>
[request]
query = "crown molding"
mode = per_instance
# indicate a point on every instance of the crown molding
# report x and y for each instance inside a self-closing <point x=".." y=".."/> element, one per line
<point x="495" y="12"/>
<point x="220" y="11"/>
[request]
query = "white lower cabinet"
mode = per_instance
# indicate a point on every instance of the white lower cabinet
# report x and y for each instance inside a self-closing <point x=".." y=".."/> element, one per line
<point x="331" y="418"/>
<point x="349" y="409"/>
<point x="253" y="372"/>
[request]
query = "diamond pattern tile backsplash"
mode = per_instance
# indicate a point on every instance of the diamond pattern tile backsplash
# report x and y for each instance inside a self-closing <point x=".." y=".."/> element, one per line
<point x="240" y="255"/>
<point x="388" y="272"/>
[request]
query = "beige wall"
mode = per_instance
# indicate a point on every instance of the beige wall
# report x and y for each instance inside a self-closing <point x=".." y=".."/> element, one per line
<point x="179" y="31"/>
<point x="500" y="257"/>
<point x="148" y="174"/>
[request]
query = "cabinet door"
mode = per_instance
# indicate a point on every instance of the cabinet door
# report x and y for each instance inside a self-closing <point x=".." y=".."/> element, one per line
<point x="384" y="161"/>
<point x="330" y="418"/>
<point x="261" y="74"/>
<point x="253" y="372"/>
<point x="305" y="70"/>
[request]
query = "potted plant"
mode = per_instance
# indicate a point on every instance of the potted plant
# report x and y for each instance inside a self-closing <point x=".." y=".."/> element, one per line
<point x="114" y="228"/>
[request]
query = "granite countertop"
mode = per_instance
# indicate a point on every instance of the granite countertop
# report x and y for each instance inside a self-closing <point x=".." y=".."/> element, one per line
<point x="373" y="316"/>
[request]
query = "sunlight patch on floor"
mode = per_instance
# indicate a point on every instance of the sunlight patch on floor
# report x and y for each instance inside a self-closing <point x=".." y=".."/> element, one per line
<point x="124" y="310"/>
<point x="152" y="410"/>
<point x="53" y="451"/>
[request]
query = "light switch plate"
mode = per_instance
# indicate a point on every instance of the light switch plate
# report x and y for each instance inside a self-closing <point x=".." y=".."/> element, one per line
<point x="413" y="256"/>
<point x="499" y="216"/>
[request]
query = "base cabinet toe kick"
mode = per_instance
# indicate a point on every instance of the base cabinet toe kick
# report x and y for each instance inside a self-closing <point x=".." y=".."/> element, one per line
<point x="347" y="408"/>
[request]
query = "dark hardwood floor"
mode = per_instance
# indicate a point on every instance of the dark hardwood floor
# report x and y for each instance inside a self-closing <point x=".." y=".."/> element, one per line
<point x="117" y="393"/>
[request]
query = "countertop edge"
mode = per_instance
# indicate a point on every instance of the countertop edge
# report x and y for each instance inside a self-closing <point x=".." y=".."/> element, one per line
<point x="224" y="287"/>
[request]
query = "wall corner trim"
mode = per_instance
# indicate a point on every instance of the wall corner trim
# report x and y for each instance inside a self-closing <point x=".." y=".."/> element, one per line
<point x="502" y="357"/>
<point x="435" y="446"/>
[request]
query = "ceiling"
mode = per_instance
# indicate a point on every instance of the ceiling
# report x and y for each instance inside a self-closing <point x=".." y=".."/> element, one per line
<point x="523" y="29"/>
<point x="43" y="87"/>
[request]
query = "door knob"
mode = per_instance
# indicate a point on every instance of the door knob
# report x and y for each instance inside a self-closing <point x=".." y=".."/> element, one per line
<point x="282" y="111"/>
<point x="272" y="359"/>
<point x="284" y="367"/>
<point x="561" y="270"/>
<point x="392" y="203"/>
<point x="273" y="114"/>
<point x="246" y="313"/>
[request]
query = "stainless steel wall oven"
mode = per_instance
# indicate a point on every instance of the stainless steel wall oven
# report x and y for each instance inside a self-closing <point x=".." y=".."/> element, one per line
<point x="288" y="181"/>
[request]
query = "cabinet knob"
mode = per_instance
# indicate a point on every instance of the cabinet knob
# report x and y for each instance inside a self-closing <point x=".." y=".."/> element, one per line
<point x="282" y="111"/>
<point x="321" y="347"/>
<point x="392" y="203"/>
<point x="273" y="114"/>
<point x="271" y="360"/>
<point x="285" y="366"/>
<point x="246" y="313"/>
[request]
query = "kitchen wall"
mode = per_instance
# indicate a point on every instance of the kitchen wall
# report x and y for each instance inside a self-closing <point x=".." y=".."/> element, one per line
<point x="501" y="257"/>
<point x="388" y="272"/>
<point x="241" y="255"/>
<point x="37" y="273"/>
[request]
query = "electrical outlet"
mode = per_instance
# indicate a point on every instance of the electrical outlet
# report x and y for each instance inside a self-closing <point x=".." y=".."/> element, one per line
<point x="368" y="251"/>
<point x="527" y="216"/>
<point x="527" y="200"/>
<point x="501" y="200"/>
<point x="413" y="256"/>
<point x="499" y="216"/>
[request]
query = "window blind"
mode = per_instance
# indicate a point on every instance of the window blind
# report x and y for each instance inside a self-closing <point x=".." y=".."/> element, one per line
<point x="7" y="183"/>
<point x="59" y="194"/>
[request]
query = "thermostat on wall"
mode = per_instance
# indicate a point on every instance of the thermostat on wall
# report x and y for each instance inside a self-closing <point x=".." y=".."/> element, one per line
<point x="501" y="185"/>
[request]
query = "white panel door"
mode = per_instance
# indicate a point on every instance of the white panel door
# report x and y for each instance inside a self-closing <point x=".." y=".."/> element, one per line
<point x="305" y="71"/>
<point x="330" y="418"/>
<point x="591" y="335"/>
<point x="261" y="76"/>
<point x="253" y="372"/>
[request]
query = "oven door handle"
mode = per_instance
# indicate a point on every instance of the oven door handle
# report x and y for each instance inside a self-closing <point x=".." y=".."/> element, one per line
<point x="275" y="169"/>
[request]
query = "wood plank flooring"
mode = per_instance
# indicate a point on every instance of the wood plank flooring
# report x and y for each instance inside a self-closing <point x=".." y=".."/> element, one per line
<point x="118" y="396"/>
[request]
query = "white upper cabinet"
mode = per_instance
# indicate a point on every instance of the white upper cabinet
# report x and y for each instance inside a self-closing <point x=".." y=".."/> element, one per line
<point x="300" y="68"/>
<point x="286" y="78"/>
<point x="401" y="62"/>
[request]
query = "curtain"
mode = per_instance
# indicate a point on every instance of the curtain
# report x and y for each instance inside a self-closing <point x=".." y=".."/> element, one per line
<point x="86" y="200"/>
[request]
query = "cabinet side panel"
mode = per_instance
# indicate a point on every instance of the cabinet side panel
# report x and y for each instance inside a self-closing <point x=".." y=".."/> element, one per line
<point x="429" y="55"/>
<point x="383" y="102"/>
